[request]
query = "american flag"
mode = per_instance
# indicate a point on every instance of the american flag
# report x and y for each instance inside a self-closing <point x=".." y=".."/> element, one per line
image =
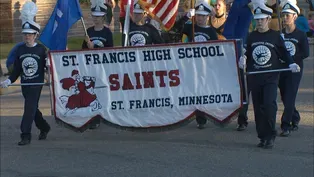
<point x="165" y="11"/>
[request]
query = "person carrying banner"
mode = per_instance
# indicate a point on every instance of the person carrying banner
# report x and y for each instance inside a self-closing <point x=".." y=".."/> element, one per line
<point x="202" y="33"/>
<point x="99" y="36"/>
<point x="297" y="44"/>
<point x="245" y="15"/>
<point x="30" y="64"/>
<point x="142" y="33"/>
<point x="243" y="19"/>
<point x="264" y="49"/>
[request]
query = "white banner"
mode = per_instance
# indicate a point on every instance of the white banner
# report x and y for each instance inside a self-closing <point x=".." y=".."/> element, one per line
<point x="146" y="86"/>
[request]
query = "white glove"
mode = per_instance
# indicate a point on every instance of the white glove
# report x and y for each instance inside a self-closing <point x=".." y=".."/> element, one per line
<point x="242" y="62"/>
<point x="282" y="36"/>
<point x="191" y="13"/>
<point x="47" y="63"/>
<point x="243" y="50"/>
<point x="6" y="83"/>
<point x="295" y="68"/>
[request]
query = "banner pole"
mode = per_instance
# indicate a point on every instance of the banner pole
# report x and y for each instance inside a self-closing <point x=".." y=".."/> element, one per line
<point x="50" y="95"/>
<point x="247" y="101"/>
<point x="29" y="84"/>
<point x="267" y="71"/>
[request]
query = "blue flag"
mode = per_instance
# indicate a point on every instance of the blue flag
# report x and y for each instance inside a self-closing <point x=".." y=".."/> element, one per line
<point x="65" y="14"/>
<point x="238" y="21"/>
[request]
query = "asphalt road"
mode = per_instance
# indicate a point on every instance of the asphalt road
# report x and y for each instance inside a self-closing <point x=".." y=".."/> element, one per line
<point x="182" y="152"/>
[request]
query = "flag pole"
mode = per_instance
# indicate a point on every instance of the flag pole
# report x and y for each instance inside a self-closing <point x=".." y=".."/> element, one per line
<point x="127" y="23"/>
<point x="247" y="101"/>
<point x="193" y="20"/>
<point x="82" y="20"/>
<point x="278" y="15"/>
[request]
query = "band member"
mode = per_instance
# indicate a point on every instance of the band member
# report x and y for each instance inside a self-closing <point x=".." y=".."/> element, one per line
<point x="264" y="49"/>
<point x="297" y="44"/>
<point x="99" y="36"/>
<point x="30" y="65"/>
<point x="202" y="33"/>
<point x="237" y="26"/>
<point x="142" y="33"/>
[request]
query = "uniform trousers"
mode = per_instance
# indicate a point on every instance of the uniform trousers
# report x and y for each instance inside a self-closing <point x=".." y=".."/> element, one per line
<point x="31" y="96"/>
<point x="264" y="95"/>
<point x="288" y="85"/>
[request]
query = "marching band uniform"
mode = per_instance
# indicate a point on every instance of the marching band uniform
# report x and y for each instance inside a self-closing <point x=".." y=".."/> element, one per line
<point x="202" y="33"/>
<point x="140" y="33"/>
<point x="297" y="44"/>
<point x="264" y="48"/>
<point x="30" y="65"/>
<point x="99" y="37"/>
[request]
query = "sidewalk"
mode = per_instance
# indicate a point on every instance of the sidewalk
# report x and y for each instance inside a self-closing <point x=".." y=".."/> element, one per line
<point x="4" y="91"/>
